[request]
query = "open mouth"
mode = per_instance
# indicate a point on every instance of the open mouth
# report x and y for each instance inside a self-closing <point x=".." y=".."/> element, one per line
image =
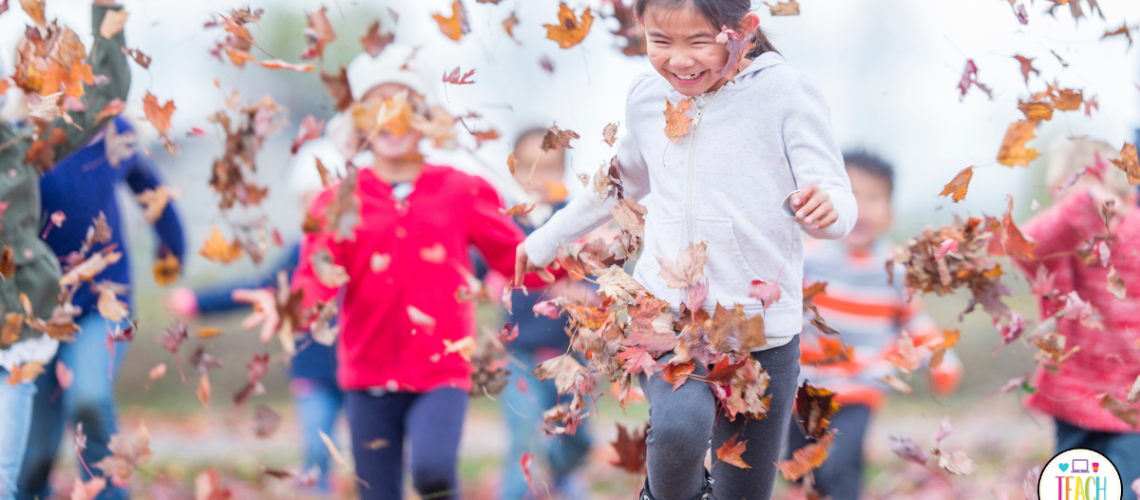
<point x="690" y="78"/>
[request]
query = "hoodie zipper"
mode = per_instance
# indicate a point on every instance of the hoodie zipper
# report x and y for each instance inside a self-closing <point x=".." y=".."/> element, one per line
<point x="692" y="164"/>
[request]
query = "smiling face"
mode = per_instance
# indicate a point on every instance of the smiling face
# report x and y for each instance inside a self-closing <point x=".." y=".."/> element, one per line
<point x="683" y="48"/>
<point x="386" y="144"/>
<point x="873" y="197"/>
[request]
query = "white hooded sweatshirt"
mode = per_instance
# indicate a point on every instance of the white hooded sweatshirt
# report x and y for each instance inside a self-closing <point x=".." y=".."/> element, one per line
<point x="728" y="183"/>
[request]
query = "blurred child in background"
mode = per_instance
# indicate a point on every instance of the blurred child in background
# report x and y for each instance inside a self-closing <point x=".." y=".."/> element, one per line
<point x="402" y="243"/>
<point x="525" y="398"/>
<point x="82" y="186"/>
<point x="1108" y="361"/>
<point x="312" y="370"/>
<point x="871" y="314"/>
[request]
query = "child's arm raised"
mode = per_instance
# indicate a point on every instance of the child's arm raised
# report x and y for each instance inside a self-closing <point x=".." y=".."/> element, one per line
<point x="823" y="205"/>
<point x="584" y="213"/>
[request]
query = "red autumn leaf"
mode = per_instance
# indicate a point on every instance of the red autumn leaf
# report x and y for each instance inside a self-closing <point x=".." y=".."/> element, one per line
<point x="631" y="449"/>
<point x="454" y="78"/>
<point x="970" y="77"/>
<point x="723" y="370"/>
<point x="509" y="332"/>
<point x="1026" y="67"/>
<point x="524" y="462"/>
<point x="677" y="374"/>
<point x="546" y="308"/>
<point x="730" y="452"/>
<point x="637" y="360"/>
<point x="767" y="293"/>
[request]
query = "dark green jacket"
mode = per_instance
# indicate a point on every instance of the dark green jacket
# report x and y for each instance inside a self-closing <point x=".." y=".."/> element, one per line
<point x="37" y="268"/>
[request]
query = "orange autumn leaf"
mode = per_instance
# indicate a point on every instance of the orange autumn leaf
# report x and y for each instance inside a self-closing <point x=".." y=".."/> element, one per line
<point x="517" y="210"/>
<point x="807" y="458"/>
<point x="208" y="331"/>
<point x="509" y="26"/>
<point x="1128" y="163"/>
<point x="1036" y="110"/>
<point x="159" y="115"/>
<point x="789" y="8"/>
<point x="570" y="30"/>
<point x="166" y="269"/>
<point x="730" y="452"/>
<point x="35" y="10"/>
<point x="217" y="249"/>
<point x="456" y="26"/>
<point x="1016" y="245"/>
<point x="1068" y="99"/>
<point x="957" y="186"/>
<point x="4" y="84"/>
<point x="279" y="64"/>
<point x="512" y="162"/>
<point x="676" y="123"/>
<point x="204" y="390"/>
<point x="25" y="373"/>
<point x="1013" y="151"/>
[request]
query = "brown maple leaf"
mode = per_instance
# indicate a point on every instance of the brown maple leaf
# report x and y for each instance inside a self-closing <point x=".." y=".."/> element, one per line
<point x="815" y="407"/>
<point x="570" y="30"/>
<point x="373" y="42"/>
<point x="731" y="450"/>
<point x="158" y="115"/>
<point x="1123" y="30"/>
<point x="688" y="269"/>
<point x="555" y="139"/>
<point x="215" y="248"/>
<point x="958" y="186"/>
<point x="676" y="123"/>
<point x="789" y="8"/>
<point x="631" y="449"/>
<point x="1026" y="67"/>
<point x="509" y="26"/>
<point x="609" y="134"/>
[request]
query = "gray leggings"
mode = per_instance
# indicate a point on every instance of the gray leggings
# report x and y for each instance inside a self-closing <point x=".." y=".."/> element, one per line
<point x="682" y="422"/>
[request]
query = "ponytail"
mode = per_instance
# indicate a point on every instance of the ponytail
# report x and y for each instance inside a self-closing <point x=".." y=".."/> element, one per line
<point x="761" y="44"/>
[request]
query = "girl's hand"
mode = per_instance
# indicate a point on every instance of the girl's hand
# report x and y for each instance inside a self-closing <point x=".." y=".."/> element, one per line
<point x="813" y="207"/>
<point x="265" y="311"/>
<point x="523" y="265"/>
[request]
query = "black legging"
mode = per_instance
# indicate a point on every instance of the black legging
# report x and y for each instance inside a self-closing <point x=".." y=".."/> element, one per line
<point x="432" y="422"/>
<point x="841" y="475"/>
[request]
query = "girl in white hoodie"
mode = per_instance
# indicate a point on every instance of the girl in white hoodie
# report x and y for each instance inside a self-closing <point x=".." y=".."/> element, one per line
<point x="757" y="165"/>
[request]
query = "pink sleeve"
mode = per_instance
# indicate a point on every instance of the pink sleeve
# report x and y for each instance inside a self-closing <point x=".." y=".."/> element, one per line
<point x="304" y="278"/>
<point x="1060" y="229"/>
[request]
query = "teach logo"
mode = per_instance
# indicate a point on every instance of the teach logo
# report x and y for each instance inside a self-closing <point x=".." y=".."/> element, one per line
<point x="1079" y="474"/>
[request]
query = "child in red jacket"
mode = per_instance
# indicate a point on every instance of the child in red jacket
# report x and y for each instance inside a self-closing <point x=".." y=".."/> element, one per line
<point x="392" y="250"/>
<point x="1088" y="359"/>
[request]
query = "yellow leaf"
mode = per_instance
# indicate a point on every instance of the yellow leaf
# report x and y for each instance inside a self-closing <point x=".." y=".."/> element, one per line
<point x="569" y="31"/>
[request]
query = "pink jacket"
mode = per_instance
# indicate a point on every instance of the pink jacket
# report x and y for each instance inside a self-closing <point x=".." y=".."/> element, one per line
<point x="1109" y="359"/>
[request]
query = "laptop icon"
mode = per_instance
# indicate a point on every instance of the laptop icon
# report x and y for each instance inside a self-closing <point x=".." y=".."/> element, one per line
<point x="1080" y="465"/>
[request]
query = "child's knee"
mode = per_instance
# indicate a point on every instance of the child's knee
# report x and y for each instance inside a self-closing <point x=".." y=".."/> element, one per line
<point x="682" y="427"/>
<point x="435" y="476"/>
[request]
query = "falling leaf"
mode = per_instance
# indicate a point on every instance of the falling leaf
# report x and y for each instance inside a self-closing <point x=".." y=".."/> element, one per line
<point x="204" y="390"/>
<point x="376" y="444"/>
<point x="379" y="262"/>
<point x="1014" y="243"/>
<point x="1120" y="410"/>
<point x="454" y="78"/>
<point x="637" y="360"/>
<point x="482" y="136"/>
<point x="155" y="373"/>
<point x="7" y="262"/>
<point x="687" y="270"/>
<point x="456" y="26"/>
<point x="563" y="369"/>
<point x="328" y="272"/>
<point x="731" y="450"/>
<point x="970" y="77"/>
<point x="154" y="202"/>
<point x="337" y="86"/>
<point x="113" y="22"/>
<point x="957" y="187"/>
<point x="896" y="384"/>
<point x="436" y="254"/>
<point x="1129" y="163"/>
<point x="110" y="307"/>
<point x="677" y="374"/>
<point x="158" y="115"/>
<point x="89" y="490"/>
<point x="1026" y="67"/>
<point x="1013" y="151"/>
<point x="525" y="462"/>
<point x="279" y="64"/>
<point x="25" y="373"/>
<point x="948" y="246"/>
<point x="631" y="449"/>
<point x="373" y="42"/>
<point x="1123" y="30"/>
<point x="1115" y="284"/>
<point x="556" y="139"/>
<point x="140" y="58"/>
<point x="955" y="463"/>
<point x="265" y="421"/>
<point x="128" y="453"/>
<point x="166" y="269"/>
<point x="546" y="64"/>
<point x="318" y="33"/>
<point x="609" y="133"/>
<point x="676" y="123"/>
<point x="815" y="407"/>
<point x="811" y="456"/>
<point x="13" y="325"/>
<point x="509" y="26"/>
<point x="35" y="10"/>
<point x="630" y="217"/>
<point x="789" y="8"/>
<point x="420" y="318"/>
<point x="1036" y="110"/>
<point x="570" y="30"/>
<point x="767" y="293"/>
<point x="217" y="249"/>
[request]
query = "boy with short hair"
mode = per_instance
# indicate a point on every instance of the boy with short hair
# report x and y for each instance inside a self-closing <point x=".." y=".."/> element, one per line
<point x="1083" y="182"/>
<point x="871" y="315"/>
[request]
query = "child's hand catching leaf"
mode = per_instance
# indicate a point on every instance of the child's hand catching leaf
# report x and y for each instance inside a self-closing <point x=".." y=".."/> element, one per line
<point x="264" y="311"/>
<point x="813" y="207"/>
<point x="523" y="266"/>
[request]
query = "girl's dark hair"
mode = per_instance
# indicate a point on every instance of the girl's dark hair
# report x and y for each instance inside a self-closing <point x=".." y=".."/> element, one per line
<point x="718" y="12"/>
<point x="871" y="163"/>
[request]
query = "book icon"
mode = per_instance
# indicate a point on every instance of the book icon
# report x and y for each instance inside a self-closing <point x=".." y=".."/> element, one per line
<point x="1080" y="465"/>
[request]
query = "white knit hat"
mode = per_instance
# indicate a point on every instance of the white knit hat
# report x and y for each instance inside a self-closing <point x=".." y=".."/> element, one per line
<point x="395" y="64"/>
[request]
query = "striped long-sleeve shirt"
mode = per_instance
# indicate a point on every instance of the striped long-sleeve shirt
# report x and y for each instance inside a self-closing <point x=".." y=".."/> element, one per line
<point x="871" y="315"/>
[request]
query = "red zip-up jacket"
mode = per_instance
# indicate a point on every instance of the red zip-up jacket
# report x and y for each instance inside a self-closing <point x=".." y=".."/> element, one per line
<point x="1109" y="359"/>
<point x="407" y="254"/>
